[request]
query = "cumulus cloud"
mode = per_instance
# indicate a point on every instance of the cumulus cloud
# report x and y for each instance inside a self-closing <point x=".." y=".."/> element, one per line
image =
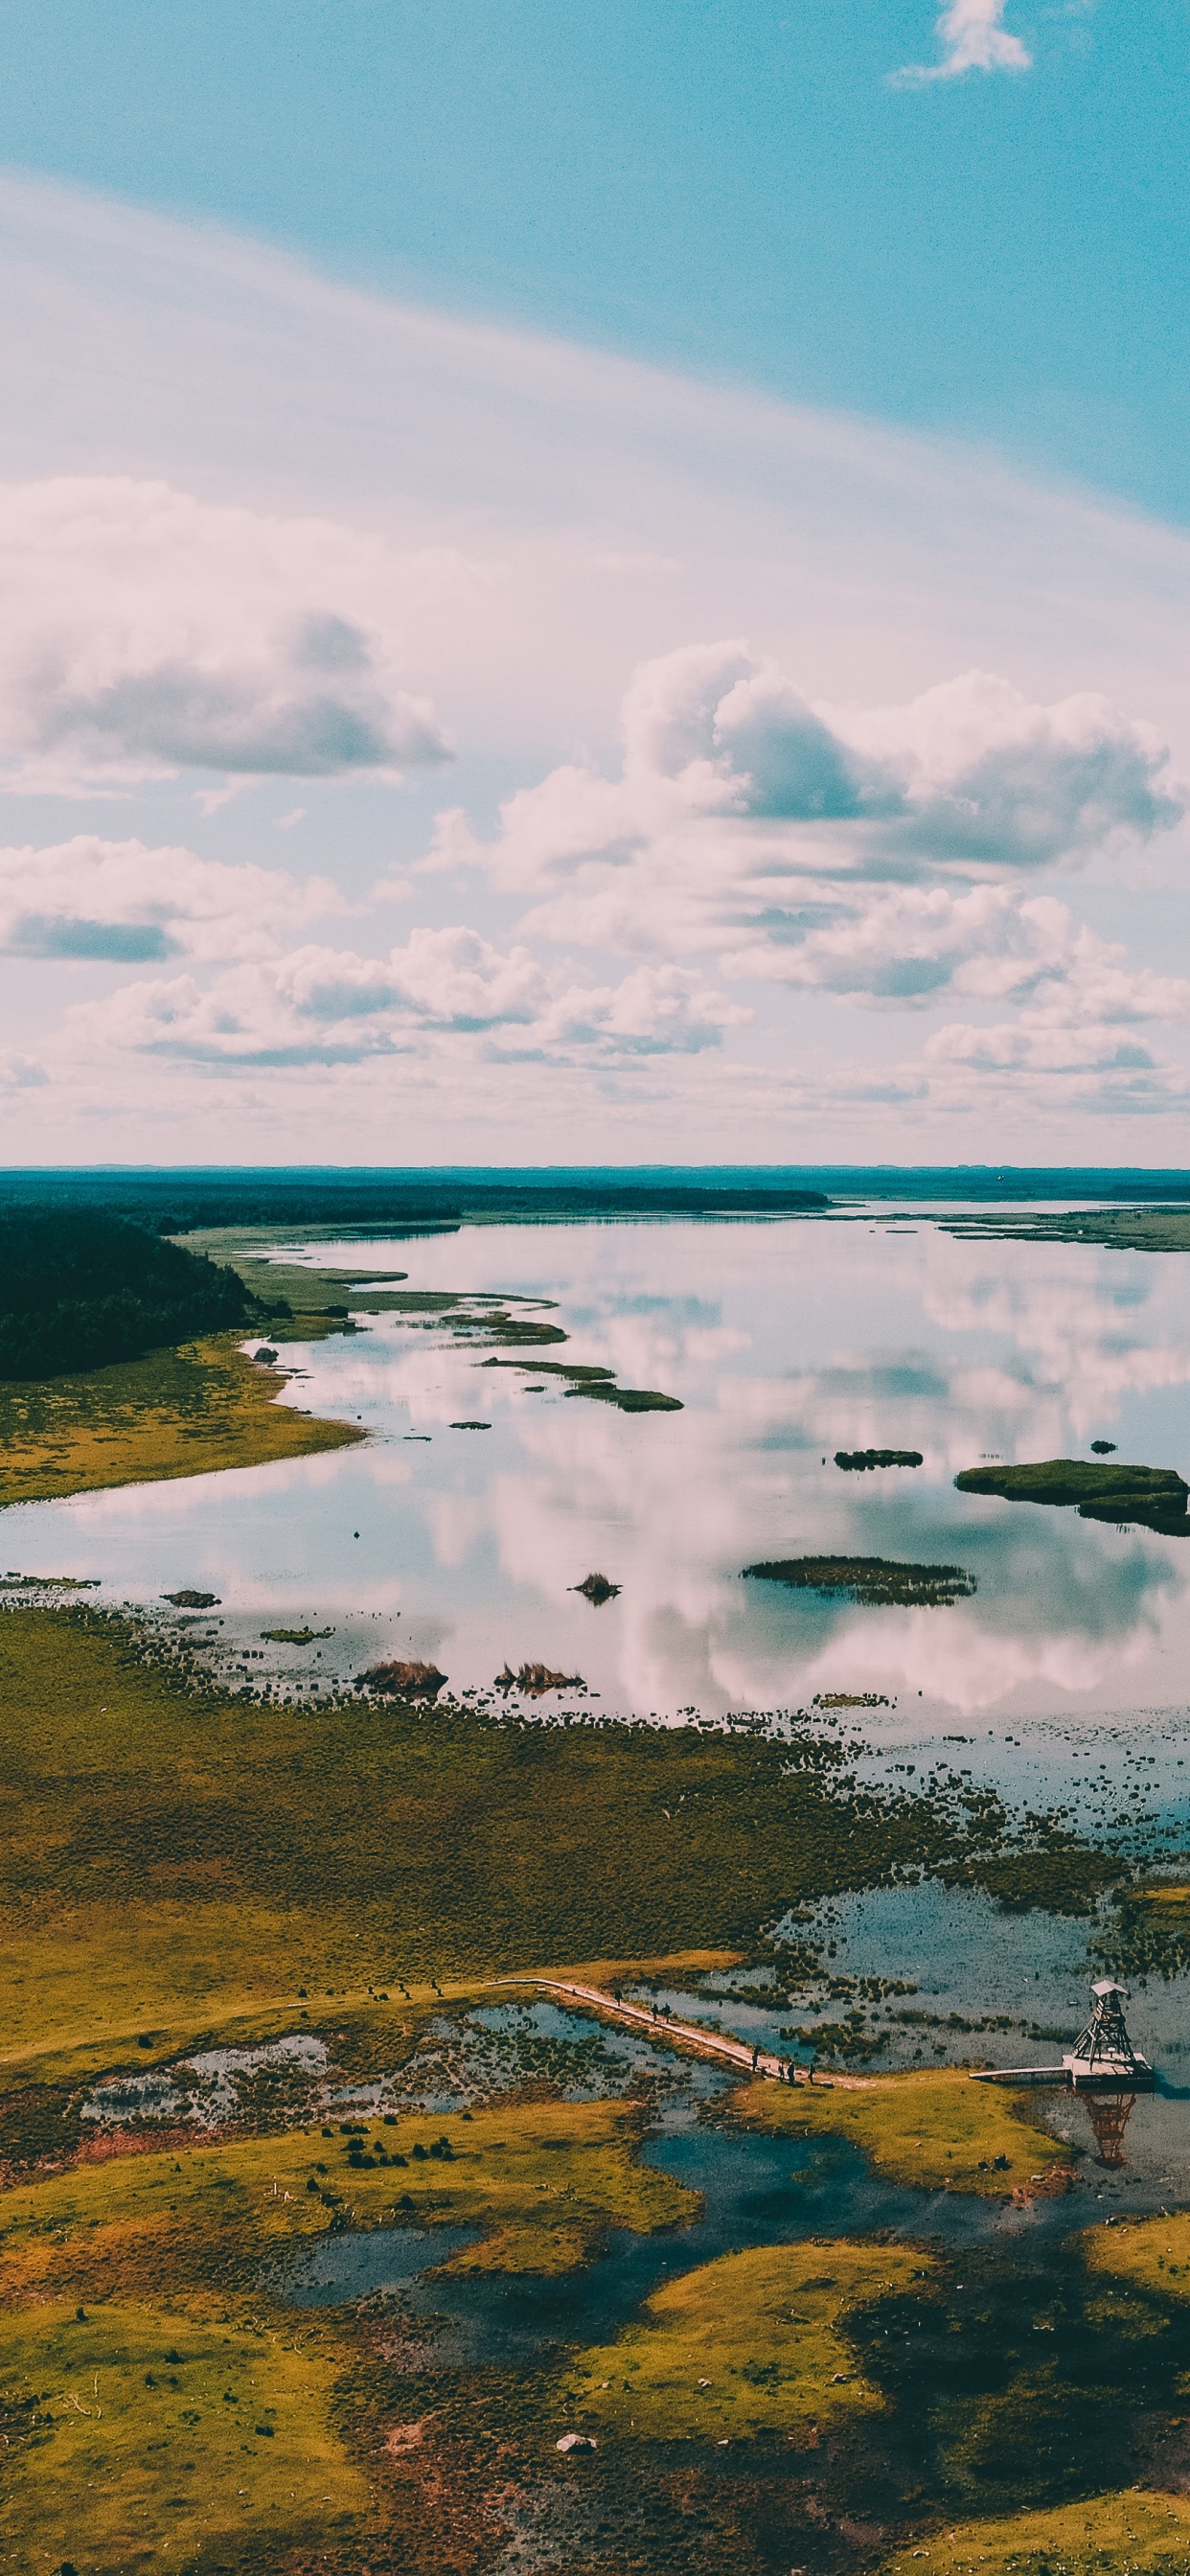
<point x="126" y="903"/>
<point x="748" y="817"/>
<point x="908" y="945"/>
<point x="147" y="633"/>
<point x="323" y="1006"/>
<point x="973" y="39"/>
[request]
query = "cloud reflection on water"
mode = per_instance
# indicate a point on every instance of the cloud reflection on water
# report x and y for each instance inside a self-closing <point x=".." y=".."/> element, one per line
<point x="785" y="1341"/>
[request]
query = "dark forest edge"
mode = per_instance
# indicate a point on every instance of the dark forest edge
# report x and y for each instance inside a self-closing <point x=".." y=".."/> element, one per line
<point x="80" y="1288"/>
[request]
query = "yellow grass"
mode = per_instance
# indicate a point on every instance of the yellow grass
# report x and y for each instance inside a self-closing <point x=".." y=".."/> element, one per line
<point x="1138" y="2533"/>
<point x="766" y="2330"/>
<point x="187" y="2404"/>
<point x="184" y="1412"/>
<point x="1155" y="2252"/>
<point x="935" y="2130"/>
<point x="157" y="2439"/>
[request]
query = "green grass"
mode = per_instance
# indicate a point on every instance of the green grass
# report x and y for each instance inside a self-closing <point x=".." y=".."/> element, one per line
<point x="1079" y="1480"/>
<point x="766" y="2330"/>
<point x="186" y="2399"/>
<point x="183" y="1412"/>
<point x="123" y="2450"/>
<point x="935" y="2130"/>
<point x="171" y="1853"/>
<point x="881" y="1582"/>
<point x="1140" y="2532"/>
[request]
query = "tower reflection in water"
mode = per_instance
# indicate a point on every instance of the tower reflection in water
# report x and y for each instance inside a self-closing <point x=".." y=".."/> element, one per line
<point x="1109" y="2115"/>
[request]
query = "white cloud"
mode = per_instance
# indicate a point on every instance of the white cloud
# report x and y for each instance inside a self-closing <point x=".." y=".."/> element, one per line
<point x="147" y="633"/>
<point x="322" y="1006"/>
<point x="746" y="817"/>
<point x="509" y="522"/>
<point x="93" y="899"/>
<point x="975" y="40"/>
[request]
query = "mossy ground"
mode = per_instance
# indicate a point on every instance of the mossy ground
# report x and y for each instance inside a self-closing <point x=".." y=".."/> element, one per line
<point x="178" y="1863"/>
<point x="184" y="1412"/>
<point x="1137" y="2533"/>
<point x="186" y="2400"/>
<point x="142" y="2436"/>
<point x="173" y="1854"/>
<point x="937" y="2131"/>
<point x="753" y="2343"/>
<point x="1153" y="2252"/>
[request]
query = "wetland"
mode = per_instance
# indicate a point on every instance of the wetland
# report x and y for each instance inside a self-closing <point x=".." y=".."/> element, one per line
<point x="329" y="2212"/>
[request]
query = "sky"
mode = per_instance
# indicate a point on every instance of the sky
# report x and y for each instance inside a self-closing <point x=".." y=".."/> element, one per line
<point x="594" y="585"/>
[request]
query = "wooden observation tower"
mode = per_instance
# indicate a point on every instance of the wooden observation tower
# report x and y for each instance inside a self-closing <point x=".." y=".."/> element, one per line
<point x="1102" y="2060"/>
<point x="1103" y="2057"/>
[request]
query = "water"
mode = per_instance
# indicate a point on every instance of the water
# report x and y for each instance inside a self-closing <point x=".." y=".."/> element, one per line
<point x="756" y="2191"/>
<point x="785" y="1341"/>
<point x="1061" y="1680"/>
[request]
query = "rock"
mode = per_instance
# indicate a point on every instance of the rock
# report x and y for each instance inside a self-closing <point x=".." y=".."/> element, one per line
<point x="577" y="2442"/>
<point x="266" y="1356"/>
<point x="405" y="1681"/>
<point x="192" y="1600"/>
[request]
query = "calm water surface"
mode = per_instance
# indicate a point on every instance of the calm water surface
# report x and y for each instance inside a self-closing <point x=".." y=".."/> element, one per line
<point x="785" y="1341"/>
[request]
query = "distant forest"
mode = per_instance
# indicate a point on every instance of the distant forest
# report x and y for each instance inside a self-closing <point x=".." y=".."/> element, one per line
<point x="79" y="1288"/>
<point x="405" y="1203"/>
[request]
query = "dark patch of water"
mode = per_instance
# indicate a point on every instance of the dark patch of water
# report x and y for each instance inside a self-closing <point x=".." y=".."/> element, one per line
<point x="756" y="2191"/>
<point x="341" y="2268"/>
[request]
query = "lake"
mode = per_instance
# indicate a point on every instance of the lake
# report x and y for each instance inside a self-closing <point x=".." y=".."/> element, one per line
<point x="785" y="1341"/>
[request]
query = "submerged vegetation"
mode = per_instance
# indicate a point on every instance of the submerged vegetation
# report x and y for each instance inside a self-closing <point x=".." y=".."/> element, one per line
<point x="879" y="1582"/>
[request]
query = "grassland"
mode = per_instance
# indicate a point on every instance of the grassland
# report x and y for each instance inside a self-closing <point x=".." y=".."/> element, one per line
<point x="181" y="1867"/>
<point x="1153" y="1229"/>
<point x="150" y="2379"/>
<point x="1139" y="2532"/>
<point x="173" y="1854"/>
<point x="753" y="2343"/>
<point x="938" y="2131"/>
<point x="1152" y="2252"/>
<point x="183" y="1412"/>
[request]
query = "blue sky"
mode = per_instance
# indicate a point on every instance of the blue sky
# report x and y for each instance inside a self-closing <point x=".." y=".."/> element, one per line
<point x="732" y="185"/>
<point x="585" y="583"/>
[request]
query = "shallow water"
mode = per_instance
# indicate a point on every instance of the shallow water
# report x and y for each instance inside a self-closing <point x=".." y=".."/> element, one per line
<point x="756" y="2191"/>
<point x="785" y="1341"/>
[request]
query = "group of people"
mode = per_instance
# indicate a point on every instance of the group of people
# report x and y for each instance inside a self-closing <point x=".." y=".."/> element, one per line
<point x="784" y="2067"/>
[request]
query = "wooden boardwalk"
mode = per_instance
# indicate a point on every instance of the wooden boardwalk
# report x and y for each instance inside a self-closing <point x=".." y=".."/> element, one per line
<point x="708" y="2043"/>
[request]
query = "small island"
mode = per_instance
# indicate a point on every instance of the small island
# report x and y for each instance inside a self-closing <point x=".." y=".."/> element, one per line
<point x="877" y="1582"/>
<point x="1150" y="1497"/>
